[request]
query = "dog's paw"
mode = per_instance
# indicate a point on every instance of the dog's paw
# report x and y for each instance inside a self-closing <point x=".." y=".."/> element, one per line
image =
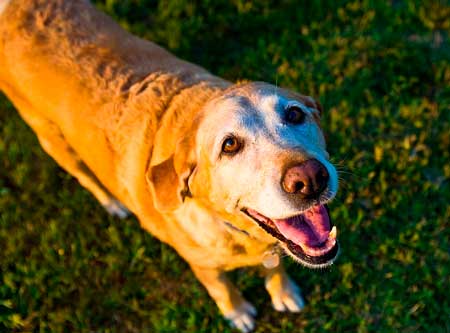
<point x="289" y="298"/>
<point x="116" y="208"/>
<point x="243" y="317"/>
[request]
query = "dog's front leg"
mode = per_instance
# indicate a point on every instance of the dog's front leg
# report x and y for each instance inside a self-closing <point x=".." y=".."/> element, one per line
<point x="285" y="293"/>
<point x="229" y="300"/>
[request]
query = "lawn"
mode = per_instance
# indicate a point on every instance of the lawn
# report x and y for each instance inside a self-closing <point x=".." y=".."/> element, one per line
<point x="381" y="69"/>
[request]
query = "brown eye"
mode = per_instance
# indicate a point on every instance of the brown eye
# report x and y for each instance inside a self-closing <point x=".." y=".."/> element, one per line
<point x="295" y="115"/>
<point x="231" y="145"/>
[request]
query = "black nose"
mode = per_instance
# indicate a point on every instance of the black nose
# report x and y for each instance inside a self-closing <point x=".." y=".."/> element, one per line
<point x="307" y="179"/>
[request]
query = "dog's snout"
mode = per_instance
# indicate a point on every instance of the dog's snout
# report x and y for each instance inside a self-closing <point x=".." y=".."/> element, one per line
<point x="308" y="179"/>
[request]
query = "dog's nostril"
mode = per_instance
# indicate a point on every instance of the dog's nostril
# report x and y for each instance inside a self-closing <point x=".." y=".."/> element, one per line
<point x="298" y="187"/>
<point x="308" y="179"/>
<point x="322" y="177"/>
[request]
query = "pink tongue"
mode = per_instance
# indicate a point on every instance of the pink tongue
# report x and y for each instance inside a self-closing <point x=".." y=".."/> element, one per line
<point x="310" y="228"/>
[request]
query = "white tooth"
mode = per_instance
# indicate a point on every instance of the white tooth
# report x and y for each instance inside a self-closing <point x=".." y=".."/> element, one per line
<point x="331" y="242"/>
<point x="333" y="233"/>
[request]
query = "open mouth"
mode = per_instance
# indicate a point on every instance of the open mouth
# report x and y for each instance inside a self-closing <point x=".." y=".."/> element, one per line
<point x="309" y="237"/>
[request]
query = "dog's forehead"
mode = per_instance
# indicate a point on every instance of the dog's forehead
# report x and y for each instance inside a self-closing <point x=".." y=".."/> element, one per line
<point x="251" y="109"/>
<point x="253" y="113"/>
<point x="265" y="101"/>
<point x="257" y="114"/>
<point x="263" y="112"/>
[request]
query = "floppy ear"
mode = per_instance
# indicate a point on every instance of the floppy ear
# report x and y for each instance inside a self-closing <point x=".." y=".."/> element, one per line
<point x="168" y="180"/>
<point x="317" y="106"/>
<point x="312" y="103"/>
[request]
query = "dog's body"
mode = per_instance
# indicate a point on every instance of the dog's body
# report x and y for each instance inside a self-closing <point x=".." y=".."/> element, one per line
<point x="125" y="117"/>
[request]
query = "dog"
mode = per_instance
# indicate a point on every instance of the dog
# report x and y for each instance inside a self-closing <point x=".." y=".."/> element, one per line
<point x="227" y="174"/>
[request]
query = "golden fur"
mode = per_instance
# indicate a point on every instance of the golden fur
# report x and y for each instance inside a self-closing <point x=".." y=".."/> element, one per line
<point x="121" y="115"/>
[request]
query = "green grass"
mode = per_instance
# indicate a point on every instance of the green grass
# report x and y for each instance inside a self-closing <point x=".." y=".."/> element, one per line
<point x="381" y="70"/>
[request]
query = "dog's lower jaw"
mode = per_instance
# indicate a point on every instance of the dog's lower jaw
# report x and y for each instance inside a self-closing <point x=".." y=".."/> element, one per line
<point x="309" y="264"/>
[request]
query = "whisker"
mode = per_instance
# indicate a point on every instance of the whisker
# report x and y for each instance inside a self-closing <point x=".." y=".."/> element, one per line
<point x="276" y="84"/>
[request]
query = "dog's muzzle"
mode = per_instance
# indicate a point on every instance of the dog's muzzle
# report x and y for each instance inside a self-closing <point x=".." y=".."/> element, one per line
<point x="308" y="237"/>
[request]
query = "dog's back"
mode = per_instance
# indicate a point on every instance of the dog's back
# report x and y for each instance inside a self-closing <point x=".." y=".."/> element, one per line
<point x="78" y="77"/>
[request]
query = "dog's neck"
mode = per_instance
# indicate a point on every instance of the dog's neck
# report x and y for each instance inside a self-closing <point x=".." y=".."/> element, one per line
<point x="78" y="49"/>
<point x="96" y="54"/>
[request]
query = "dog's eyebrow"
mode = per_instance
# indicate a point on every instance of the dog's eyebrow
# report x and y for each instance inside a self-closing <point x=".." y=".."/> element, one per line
<point x="251" y="121"/>
<point x="243" y="102"/>
<point x="258" y="112"/>
<point x="269" y="103"/>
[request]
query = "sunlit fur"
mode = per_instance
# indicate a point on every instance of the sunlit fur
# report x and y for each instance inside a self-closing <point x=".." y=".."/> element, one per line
<point x="142" y="131"/>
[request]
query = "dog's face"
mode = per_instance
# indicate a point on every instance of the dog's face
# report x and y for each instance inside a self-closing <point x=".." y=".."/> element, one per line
<point x="260" y="157"/>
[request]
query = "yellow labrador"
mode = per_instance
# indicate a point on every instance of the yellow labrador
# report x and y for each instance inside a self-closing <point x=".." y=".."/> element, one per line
<point x="224" y="173"/>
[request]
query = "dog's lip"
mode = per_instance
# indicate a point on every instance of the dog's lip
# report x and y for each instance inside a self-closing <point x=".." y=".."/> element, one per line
<point x="320" y="253"/>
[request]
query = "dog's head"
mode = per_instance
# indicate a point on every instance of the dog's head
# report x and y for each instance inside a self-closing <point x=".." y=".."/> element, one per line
<point x="257" y="155"/>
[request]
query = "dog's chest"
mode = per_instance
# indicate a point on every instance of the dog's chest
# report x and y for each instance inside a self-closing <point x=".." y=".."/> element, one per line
<point x="208" y="239"/>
